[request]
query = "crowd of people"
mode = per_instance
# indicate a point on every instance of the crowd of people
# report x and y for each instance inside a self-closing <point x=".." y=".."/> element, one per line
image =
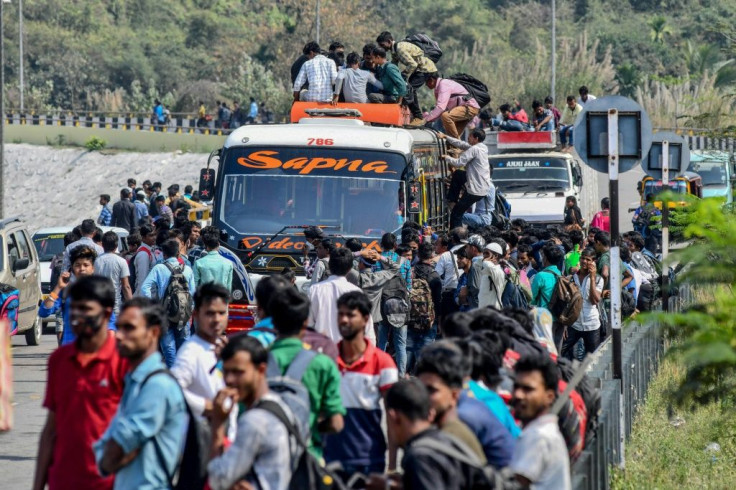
<point x="460" y="342"/>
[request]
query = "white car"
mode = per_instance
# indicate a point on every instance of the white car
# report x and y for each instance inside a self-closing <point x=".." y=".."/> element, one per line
<point x="50" y="241"/>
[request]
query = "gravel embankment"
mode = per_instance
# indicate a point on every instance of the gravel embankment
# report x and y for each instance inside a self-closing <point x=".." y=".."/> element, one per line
<point x="48" y="186"/>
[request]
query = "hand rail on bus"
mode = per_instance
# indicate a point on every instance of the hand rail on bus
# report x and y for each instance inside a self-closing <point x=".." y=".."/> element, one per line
<point x="288" y="227"/>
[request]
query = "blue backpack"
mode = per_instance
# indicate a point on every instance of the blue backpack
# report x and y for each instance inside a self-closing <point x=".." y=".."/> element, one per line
<point x="9" y="305"/>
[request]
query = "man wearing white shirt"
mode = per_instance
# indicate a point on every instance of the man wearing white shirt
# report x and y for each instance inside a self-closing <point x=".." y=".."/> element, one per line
<point x="585" y="97"/>
<point x="492" y="277"/>
<point x="195" y="363"/>
<point x="323" y="297"/>
<point x="477" y="172"/>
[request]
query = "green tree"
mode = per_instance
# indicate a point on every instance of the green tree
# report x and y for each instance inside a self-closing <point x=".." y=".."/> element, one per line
<point x="629" y="78"/>
<point x="659" y="28"/>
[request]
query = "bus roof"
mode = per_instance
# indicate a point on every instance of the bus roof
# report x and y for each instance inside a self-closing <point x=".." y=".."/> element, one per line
<point x="342" y="133"/>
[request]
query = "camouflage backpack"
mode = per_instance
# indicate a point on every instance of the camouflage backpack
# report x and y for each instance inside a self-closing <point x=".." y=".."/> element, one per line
<point x="421" y="316"/>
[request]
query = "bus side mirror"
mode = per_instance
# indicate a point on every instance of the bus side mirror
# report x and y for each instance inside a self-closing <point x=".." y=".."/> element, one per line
<point x="207" y="184"/>
<point x="414" y="197"/>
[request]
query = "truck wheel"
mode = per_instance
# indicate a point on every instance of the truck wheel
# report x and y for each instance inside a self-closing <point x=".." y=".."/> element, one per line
<point x="33" y="335"/>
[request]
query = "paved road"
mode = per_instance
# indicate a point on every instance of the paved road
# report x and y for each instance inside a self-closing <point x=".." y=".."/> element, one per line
<point x="18" y="447"/>
<point x="628" y="195"/>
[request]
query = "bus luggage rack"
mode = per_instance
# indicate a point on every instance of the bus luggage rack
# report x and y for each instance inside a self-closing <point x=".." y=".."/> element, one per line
<point x="339" y="112"/>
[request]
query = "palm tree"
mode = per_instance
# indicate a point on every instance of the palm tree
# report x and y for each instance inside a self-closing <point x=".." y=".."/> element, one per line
<point x="628" y="77"/>
<point x="659" y="27"/>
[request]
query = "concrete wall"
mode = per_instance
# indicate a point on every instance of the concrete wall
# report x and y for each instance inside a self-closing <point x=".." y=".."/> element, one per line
<point x="142" y="140"/>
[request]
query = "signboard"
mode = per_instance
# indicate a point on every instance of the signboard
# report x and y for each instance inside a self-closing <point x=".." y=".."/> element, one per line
<point x="592" y="141"/>
<point x="679" y="156"/>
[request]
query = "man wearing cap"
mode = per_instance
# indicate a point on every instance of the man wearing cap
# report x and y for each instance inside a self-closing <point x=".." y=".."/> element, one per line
<point x="475" y="247"/>
<point x="141" y="207"/>
<point x="492" y="278"/>
<point x="123" y="212"/>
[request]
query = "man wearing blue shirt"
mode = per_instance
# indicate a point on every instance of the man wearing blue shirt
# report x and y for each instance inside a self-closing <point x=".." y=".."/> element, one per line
<point x="143" y="442"/>
<point x="155" y="286"/>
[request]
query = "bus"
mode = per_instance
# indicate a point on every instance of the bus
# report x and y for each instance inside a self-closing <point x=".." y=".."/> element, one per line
<point x="537" y="180"/>
<point x="328" y="170"/>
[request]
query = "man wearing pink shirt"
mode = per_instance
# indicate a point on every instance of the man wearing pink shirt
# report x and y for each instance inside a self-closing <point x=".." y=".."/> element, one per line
<point x="455" y="106"/>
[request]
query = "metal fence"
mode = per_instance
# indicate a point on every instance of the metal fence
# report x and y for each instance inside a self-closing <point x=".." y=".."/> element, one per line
<point x="643" y="348"/>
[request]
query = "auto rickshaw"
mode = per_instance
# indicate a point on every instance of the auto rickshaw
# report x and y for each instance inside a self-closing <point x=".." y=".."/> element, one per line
<point x="689" y="183"/>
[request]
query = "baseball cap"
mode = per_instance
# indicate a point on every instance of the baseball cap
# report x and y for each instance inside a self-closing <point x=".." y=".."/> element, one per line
<point x="495" y="248"/>
<point x="476" y="241"/>
<point x="457" y="248"/>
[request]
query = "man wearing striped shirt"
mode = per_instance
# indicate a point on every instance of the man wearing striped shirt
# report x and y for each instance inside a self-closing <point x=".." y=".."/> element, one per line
<point x="367" y="373"/>
<point x="320" y="72"/>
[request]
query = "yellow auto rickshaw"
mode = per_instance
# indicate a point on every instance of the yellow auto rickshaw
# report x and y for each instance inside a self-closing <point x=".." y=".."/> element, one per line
<point x="689" y="183"/>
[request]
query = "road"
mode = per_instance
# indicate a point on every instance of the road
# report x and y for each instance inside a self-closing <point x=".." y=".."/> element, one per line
<point x="18" y="447"/>
<point x="628" y="195"/>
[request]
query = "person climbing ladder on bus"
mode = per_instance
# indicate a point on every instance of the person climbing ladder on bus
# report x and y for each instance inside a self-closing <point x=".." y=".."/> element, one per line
<point x="455" y="106"/>
<point x="477" y="174"/>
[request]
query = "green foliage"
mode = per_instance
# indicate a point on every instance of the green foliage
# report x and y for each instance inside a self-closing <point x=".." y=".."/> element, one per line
<point x="119" y="55"/>
<point x="95" y="144"/>
<point x="707" y="331"/>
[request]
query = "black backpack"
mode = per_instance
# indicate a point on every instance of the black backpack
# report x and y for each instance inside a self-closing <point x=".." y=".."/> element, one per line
<point x="191" y="469"/>
<point x="177" y="299"/>
<point x="477" y="89"/>
<point x="430" y="47"/>
<point x="133" y="278"/>
<point x="307" y="473"/>
<point x="395" y="301"/>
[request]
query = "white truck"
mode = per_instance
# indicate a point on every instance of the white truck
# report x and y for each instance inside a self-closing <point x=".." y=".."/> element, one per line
<point x="537" y="180"/>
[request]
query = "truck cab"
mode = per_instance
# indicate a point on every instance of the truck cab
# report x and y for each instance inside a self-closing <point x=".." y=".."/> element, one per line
<point x="537" y="179"/>
<point x="716" y="170"/>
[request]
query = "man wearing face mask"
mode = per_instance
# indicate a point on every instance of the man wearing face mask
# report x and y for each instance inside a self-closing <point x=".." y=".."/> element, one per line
<point x="83" y="264"/>
<point x="84" y="387"/>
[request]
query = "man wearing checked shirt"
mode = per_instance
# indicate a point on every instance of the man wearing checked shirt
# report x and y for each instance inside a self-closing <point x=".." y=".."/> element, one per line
<point x="320" y="72"/>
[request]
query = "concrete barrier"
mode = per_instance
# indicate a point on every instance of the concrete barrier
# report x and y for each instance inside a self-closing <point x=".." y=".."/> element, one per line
<point x="145" y="141"/>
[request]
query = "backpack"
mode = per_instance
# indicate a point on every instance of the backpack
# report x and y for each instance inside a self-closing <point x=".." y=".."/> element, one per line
<point x="513" y="295"/>
<point x="290" y="388"/>
<point x="131" y="266"/>
<point x="430" y="47"/>
<point x="567" y="301"/>
<point x="421" y="315"/>
<point x="191" y="469"/>
<point x="177" y="299"/>
<point x="307" y="473"/>
<point x="9" y="305"/>
<point x="484" y="476"/>
<point x="477" y="89"/>
<point x="587" y="390"/>
<point x="395" y="302"/>
<point x="571" y="421"/>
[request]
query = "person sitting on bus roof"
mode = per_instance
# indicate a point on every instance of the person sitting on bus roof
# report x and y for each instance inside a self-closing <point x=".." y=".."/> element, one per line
<point x="394" y="87"/>
<point x="455" y="106"/>
<point x="512" y="121"/>
<point x="417" y="67"/>
<point x="544" y="120"/>
<point x="549" y="103"/>
<point x="570" y="113"/>
<point x="337" y="54"/>
<point x="353" y="82"/>
<point x="475" y="160"/>
<point x="320" y="72"/>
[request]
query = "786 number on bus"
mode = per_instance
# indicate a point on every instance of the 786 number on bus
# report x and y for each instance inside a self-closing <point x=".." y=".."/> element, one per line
<point x="320" y="142"/>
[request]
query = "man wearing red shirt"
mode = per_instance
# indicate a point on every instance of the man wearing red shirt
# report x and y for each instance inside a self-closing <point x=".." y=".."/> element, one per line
<point x="85" y="383"/>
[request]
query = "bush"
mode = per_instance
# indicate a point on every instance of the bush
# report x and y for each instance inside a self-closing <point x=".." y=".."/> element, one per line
<point x="95" y="144"/>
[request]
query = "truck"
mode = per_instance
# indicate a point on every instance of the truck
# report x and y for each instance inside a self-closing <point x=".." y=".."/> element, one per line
<point x="537" y="179"/>
<point x="716" y="168"/>
<point x="330" y="170"/>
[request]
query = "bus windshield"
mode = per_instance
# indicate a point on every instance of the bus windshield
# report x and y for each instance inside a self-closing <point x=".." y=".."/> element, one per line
<point x="530" y="174"/>
<point x="712" y="172"/>
<point x="358" y="192"/>
<point x="656" y="187"/>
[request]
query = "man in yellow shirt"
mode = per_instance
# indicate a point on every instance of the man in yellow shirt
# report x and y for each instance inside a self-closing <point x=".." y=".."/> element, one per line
<point x="569" y="114"/>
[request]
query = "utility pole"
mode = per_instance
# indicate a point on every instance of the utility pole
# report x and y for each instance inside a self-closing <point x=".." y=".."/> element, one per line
<point x="20" y="43"/>
<point x="554" y="49"/>
<point x="2" y="112"/>
<point x="318" y="21"/>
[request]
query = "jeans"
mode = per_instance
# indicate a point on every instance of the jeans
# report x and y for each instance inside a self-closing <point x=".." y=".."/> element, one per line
<point x="475" y="221"/>
<point x="511" y="125"/>
<point x="591" y="339"/>
<point x="566" y="135"/>
<point x="416" y="340"/>
<point x="456" y="215"/>
<point x="399" y="336"/>
<point x="550" y="126"/>
<point x="172" y="341"/>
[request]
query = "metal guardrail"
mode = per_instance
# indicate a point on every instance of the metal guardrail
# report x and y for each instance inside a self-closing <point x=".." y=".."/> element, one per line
<point x="179" y="123"/>
<point x="643" y="348"/>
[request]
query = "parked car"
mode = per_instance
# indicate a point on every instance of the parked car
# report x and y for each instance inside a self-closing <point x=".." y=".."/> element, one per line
<point x="50" y="241"/>
<point x="20" y="268"/>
